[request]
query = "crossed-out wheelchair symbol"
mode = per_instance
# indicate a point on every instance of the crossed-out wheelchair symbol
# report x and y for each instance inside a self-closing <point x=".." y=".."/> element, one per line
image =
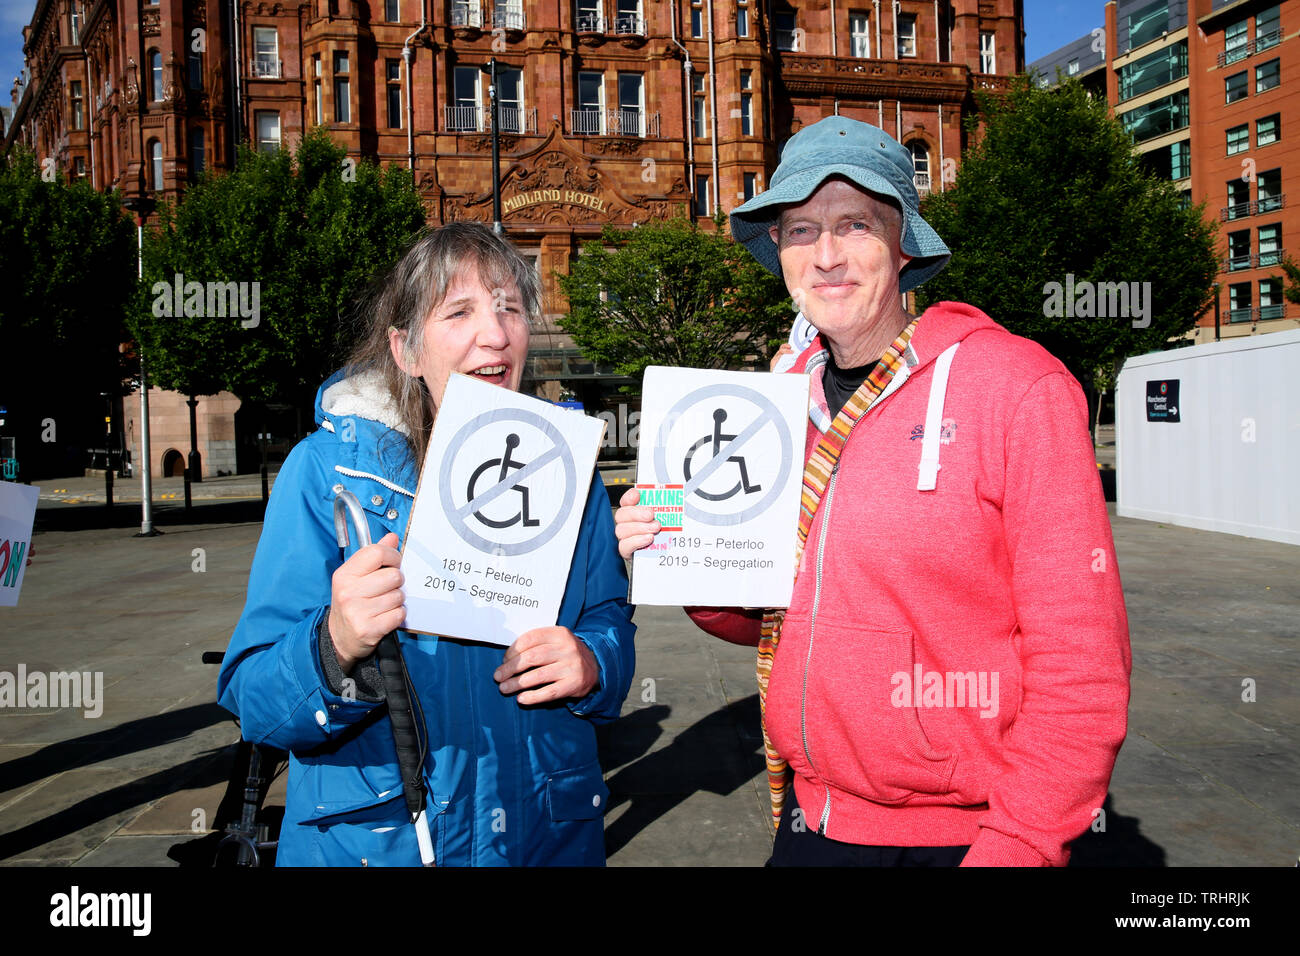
<point x="717" y="438"/>
<point x="507" y="474"/>
<point x="725" y="452"/>
<point x="506" y="462"/>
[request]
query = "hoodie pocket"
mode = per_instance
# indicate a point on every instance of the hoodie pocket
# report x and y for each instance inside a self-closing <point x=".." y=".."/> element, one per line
<point x="864" y="733"/>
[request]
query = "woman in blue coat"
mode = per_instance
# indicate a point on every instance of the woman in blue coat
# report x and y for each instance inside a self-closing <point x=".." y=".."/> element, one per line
<point x="511" y="768"/>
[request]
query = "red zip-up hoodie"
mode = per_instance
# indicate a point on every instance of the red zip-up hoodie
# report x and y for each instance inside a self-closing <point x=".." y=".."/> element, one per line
<point x="953" y="668"/>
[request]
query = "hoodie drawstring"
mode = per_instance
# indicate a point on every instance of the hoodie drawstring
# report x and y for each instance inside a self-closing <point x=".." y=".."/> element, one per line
<point x="929" y="467"/>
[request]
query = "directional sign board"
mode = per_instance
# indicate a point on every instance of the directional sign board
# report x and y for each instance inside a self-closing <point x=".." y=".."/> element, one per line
<point x="501" y="496"/>
<point x="17" y="513"/>
<point x="721" y="462"/>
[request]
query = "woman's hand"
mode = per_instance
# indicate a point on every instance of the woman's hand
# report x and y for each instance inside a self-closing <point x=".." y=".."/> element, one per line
<point x="634" y="527"/>
<point x="548" y="663"/>
<point x="365" y="601"/>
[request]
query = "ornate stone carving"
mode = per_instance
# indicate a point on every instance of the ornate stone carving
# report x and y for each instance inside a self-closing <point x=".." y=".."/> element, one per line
<point x="483" y="144"/>
<point x="150" y="23"/>
<point x="174" y="84"/>
<point x="618" y="147"/>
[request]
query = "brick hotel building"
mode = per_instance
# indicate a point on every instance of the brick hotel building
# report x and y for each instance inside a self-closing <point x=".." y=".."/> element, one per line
<point x="1210" y="90"/>
<point x="620" y="111"/>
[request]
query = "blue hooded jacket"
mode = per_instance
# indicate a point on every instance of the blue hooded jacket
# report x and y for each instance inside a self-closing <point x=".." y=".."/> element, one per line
<point x="508" y="784"/>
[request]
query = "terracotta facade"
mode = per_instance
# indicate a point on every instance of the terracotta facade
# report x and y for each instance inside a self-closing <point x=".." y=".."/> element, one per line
<point x="618" y="111"/>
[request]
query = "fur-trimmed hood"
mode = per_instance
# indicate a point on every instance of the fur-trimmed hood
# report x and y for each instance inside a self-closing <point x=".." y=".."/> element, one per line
<point x="361" y="395"/>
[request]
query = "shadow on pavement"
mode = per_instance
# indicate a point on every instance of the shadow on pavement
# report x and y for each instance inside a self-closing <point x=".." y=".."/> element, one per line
<point x="130" y="737"/>
<point x="201" y="771"/>
<point x="704" y="756"/>
<point x="126" y="514"/>
<point x="1120" y="844"/>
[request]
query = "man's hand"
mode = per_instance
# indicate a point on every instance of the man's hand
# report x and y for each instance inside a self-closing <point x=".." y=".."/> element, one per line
<point x="635" y="527"/>
<point x="548" y="663"/>
<point x="782" y="352"/>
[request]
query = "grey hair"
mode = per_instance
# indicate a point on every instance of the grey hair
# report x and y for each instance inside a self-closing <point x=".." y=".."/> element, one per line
<point x="416" y="285"/>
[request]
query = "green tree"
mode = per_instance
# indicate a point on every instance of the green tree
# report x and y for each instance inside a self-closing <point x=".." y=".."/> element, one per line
<point x="1292" y="273"/>
<point x="309" y="230"/>
<point x="1051" y="189"/>
<point x="69" y="272"/>
<point x="670" y="293"/>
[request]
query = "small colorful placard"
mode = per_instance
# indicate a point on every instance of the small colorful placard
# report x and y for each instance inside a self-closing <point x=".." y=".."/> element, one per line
<point x="17" y="514"/>
<point x="721" y="463"/>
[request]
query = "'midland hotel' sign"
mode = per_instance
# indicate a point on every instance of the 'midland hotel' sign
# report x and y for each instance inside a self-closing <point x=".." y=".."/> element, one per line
<point x="571" y="196"/>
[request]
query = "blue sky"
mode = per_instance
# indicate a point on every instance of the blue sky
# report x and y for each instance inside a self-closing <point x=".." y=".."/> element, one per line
<point x="1049" y="24"/>
<point x="14" y="15"/>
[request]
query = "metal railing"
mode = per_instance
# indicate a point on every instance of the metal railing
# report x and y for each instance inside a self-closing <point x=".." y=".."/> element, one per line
<point x="1236" y="211"/>
<point x="922" y="181"/>
<point x="629" y="24"/>
<point x="591" y="22"/>
<point x="265" y="69"/>
<point x="476" y="119"/>
<point x="463" y="119"/>
<point x="1258" y="260"/>
<point x="1262" y="313"/>
<point x="1269" y="203"/>
<point x="597" y="122"/>
<point x="1243" y="50"/>
<point x="517" y="120"/>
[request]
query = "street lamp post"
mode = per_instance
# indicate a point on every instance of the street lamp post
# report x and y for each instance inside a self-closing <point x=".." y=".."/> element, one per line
<point x="491" y="71"/>
<point x="141" y="205"/>
<point x="108" y="449"/>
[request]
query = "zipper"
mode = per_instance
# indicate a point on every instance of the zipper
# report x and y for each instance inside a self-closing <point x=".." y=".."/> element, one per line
<point x="353" y="473"/>
<point x="817" y="599"/>
<point x="812" y="634"/>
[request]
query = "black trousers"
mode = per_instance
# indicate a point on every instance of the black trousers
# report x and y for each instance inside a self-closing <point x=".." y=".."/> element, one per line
<point x="804" y="846"/>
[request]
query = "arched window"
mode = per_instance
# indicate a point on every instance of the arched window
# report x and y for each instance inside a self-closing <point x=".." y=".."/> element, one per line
<point x="920" y="166"/>
<point x="155" y="76"/>
<point x="155" y="164"/>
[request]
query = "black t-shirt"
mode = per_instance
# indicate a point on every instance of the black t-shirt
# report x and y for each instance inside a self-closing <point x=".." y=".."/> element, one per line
<point x="840" y="383"/>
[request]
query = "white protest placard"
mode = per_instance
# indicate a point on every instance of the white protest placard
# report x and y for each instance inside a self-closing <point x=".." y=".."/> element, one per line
<point x="491" y="537"/>
<point x="721" y="452"/>
<point x="17" y="512"/>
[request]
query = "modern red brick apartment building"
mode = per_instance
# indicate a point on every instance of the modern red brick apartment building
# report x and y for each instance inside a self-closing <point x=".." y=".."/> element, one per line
<point x="1209" y="90"/>
<point x="618" y="111"/>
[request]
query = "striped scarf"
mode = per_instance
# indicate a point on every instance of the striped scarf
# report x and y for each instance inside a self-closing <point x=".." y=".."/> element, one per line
<point x="816" y="476"/>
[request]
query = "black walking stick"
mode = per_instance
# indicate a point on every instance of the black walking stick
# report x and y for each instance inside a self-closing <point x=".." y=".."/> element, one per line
<point x="397" y="691"/>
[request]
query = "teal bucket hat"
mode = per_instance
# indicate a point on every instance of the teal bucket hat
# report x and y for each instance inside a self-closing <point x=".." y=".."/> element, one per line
<point x="861" y="153"/>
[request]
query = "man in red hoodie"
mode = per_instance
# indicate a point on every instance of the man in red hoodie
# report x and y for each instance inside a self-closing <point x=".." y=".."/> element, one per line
<point x="950" y="682"/>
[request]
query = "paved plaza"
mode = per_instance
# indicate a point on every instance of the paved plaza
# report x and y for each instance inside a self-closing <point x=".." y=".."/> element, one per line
<point x="1209" y="774"/>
